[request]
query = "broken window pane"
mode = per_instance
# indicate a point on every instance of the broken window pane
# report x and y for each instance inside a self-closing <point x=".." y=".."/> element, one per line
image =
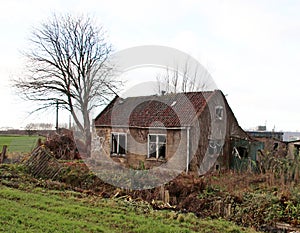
<point x="114" y="144"/>
<point x="152" y="150"/>
<point x="157" y="146"/>
<point x="162" y="139"/>
<point x="122" y="141"/>
<point x="152" y="138"/>
<point x="118" y="143"/>
<point x="162" y="152"/>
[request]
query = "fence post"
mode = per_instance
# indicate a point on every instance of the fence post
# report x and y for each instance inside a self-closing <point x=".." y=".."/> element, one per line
<point x="3" y="154"/>
<point x="167" y="197"/>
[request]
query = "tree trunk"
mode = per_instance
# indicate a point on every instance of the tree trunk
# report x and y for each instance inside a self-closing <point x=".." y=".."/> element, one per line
<point x="88" y="142"/>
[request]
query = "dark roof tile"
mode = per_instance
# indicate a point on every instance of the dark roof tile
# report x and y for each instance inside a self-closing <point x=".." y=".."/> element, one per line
<point x="170" y="110"/>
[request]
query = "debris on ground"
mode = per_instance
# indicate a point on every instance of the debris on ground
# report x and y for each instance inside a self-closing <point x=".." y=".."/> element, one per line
<point x="62" y="145"/>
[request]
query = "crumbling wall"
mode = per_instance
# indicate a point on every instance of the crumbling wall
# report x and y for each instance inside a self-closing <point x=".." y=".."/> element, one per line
<point x="137" y="146"/>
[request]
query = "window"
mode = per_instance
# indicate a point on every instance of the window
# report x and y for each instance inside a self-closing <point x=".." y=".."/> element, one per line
<point x="118" y="143"/>
<point x="243" y="152"/>
<point x="157" y="146"/>
<point x="214" y="147"/>
<point x="219" y="111"/>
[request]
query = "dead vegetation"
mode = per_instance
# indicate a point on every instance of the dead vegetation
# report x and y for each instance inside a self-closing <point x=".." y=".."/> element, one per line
<point x="267" y="199"/>
<point x="247" y="199"/>
<point x="62" y="145"/>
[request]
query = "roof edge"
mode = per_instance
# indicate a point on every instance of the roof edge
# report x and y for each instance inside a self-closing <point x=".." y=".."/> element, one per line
<point x="107" y="106"/>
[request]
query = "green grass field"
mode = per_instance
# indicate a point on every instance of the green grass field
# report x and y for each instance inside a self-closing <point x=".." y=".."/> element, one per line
<point x="15" y="143"/>
<point x="55" y="211"/>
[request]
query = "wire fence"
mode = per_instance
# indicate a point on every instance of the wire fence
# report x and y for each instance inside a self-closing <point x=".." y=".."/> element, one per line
<point x="18" y="145"/>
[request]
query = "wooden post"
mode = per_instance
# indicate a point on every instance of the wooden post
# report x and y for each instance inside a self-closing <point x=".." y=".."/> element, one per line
<point x="228" y="211"/>
<point x="167" y="197"/>
<point x="162" y="193"/>
<point x="217" y="207"/>
<point x="3" y="154"/>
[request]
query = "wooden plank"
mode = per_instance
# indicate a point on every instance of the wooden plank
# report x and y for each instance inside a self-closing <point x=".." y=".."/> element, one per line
<point x="42" y="164"/>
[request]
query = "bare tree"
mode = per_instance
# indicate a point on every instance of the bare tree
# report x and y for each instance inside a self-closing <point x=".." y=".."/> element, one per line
<point x="30" y="129"/>
<point x="67" y="64"/>
<point x="188" y="79"/>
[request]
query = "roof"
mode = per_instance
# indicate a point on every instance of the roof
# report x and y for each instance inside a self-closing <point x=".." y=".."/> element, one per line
<point x="169" y="110"/>
<point x="297" y="142"/>
<point x="266" y="134"/>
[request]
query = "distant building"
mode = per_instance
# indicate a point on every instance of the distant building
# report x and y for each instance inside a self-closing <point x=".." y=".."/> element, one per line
<point x="262" y="132"/>
<point x="291" y="136"/>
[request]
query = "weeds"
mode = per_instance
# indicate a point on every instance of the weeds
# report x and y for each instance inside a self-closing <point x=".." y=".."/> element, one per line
<point x="48" y="212"/>
<point x="283" y="169"/>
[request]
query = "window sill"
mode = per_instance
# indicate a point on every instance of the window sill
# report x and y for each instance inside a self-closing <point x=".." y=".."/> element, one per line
<point x="118" y="155"/>
<point x="155" y="159"/>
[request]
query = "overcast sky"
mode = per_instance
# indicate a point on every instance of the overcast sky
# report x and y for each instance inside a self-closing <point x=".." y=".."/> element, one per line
<point x="251" y="48"/>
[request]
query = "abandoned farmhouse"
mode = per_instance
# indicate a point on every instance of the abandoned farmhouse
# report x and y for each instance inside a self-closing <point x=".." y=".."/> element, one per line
<point x="197" y="131"/>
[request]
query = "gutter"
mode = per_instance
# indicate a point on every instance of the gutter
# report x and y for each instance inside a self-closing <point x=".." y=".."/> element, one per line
<point x="187" y="149"/>
<point x="140" y="127"/>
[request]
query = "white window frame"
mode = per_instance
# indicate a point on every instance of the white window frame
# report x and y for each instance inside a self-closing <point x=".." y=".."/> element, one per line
<point x="118" y="143"/>
<point x="218" y="116"/>
<point x="157" y="143"/>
